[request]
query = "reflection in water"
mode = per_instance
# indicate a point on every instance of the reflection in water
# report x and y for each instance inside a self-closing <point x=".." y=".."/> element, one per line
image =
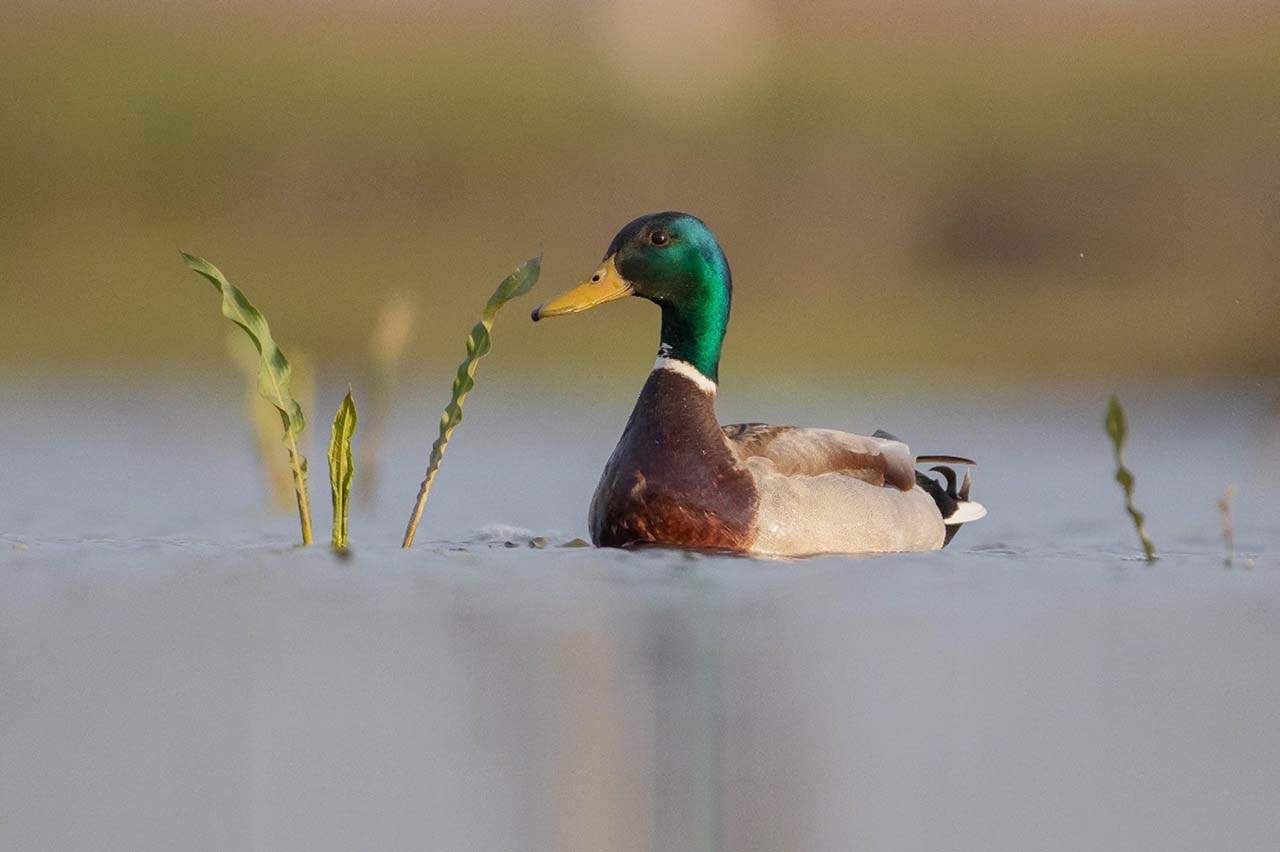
<point x="653" y="728"/>
<point x="887" y="704"/>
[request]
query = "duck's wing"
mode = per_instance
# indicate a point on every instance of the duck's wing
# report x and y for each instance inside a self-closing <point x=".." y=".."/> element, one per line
<point x="795" y="451"/>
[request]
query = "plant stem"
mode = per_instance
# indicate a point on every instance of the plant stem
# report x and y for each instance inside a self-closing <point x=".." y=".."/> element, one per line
<point x="296" y="465"/>
<point x="423" y="491"/>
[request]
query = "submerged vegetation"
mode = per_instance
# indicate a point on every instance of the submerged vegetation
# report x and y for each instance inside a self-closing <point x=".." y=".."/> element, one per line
<point x="342" y="468"/>
<point x="479" y="342"/>
<point x="1118" y="430"/>
<point x="274" y="377"/>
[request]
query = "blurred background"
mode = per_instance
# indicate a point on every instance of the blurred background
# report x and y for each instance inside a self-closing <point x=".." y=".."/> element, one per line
<point x="1021" y="191"/>
<point x="965" y="221"/>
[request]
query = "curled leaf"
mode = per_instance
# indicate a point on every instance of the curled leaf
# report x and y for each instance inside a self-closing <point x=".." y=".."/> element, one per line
<point x="1118" y="429"/>
<point x="479" y="342"/>
<point x="274" y="375"/>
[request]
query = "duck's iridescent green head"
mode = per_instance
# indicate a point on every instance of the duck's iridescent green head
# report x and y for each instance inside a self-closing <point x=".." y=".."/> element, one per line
<point x="672" y="259"/>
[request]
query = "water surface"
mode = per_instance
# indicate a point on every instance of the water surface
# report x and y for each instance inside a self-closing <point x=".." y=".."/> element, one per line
<point x="177" y="675"/>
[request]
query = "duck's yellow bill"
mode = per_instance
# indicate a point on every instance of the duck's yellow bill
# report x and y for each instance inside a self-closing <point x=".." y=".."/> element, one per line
<point x="605" y="285"/>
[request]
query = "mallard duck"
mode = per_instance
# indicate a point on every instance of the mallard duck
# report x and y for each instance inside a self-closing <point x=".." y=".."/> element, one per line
<point x="679" y="478"/>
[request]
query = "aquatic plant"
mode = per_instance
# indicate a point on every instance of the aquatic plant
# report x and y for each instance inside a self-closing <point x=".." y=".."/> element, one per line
<point x="1118" y="430"/>
<point x="1228" y="526"/>
<point x="479" y="342"/>
<point x="342" y="467"/>
<point x="391" y="335"/>
<point x="274" y="375"/>
<point x="264" y="421"/>
<point x="264" y="424"/>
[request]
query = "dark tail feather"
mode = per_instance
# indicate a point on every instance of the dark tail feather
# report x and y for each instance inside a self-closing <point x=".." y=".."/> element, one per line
<point x="953" y="503"/>
<point x="942" y="459"/>
<point x="946" y="460"/>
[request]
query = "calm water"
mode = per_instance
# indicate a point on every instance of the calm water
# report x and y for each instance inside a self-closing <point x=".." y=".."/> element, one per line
<point x="174" y="675"/>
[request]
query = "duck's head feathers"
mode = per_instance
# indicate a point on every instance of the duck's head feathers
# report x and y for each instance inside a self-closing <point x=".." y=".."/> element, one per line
<point x="674" y="260"/>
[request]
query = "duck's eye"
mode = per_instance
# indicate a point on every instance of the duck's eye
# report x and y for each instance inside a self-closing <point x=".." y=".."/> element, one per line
<point x="659" y="238"/>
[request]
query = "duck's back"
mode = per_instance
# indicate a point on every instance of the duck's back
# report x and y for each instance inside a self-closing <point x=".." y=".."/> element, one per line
<point x="827" y="491"/>
<point x="802" y="515"/>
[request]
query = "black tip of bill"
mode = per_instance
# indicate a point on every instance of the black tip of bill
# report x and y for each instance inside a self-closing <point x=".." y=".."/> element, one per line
<point x="534" y="314"/>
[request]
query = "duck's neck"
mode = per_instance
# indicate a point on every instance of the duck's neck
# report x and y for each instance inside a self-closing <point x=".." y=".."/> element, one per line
<point x="674" y="420"/>
<point x="694" y="333"/>
<point x="694" y="337"/>
<point x="673" y="430"/>
<point x="668" y="364"/>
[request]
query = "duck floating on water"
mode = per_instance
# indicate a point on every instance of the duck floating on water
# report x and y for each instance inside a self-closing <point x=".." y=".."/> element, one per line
<point x="678" y="478"/>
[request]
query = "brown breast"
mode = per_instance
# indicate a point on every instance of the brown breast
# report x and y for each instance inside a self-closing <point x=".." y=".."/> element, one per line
<point x="673" y="478"/>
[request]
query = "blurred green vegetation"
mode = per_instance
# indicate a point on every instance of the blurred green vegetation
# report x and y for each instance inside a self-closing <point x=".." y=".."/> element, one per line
<point x="1068" y="188"/>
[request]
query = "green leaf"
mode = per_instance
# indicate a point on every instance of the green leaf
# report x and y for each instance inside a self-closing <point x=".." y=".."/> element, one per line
<point x="513" y="286"/>
<point x="1118" y="429"/>
<point x="479" y="342"/>
<point x="1117" y="426"/>
<point x="342" y="467"/>
<point x="274" y="372"/>
<point x="274" y="375"/>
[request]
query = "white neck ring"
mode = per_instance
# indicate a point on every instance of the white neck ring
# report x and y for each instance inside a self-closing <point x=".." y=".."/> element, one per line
<point x="687" y="370"/>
